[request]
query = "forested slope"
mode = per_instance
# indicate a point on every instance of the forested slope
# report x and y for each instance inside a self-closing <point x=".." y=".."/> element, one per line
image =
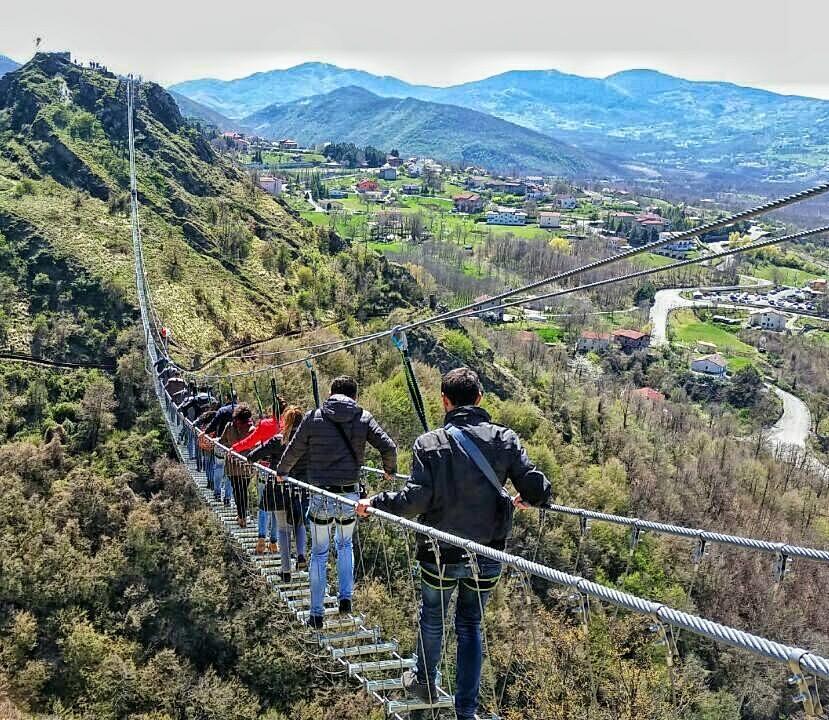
<point x="121" y="598"/>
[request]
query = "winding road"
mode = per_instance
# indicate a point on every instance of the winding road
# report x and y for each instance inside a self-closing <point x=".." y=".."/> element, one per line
<point x="795" y="424"/>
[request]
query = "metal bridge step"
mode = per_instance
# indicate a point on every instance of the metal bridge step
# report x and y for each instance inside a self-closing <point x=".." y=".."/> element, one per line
<point x="305" y="614"/>
<point x="370" y="666"/>
<point x="270" y="564"/>
<point x="304" y="602"/>
<point x="383" y="684"/>
<point x="403" y="707"/>
<point x="343" y="622"/>
<point x="287" y="595"/>
<point x="298" y="579"/>
<point x="331" y="641"/>
<point x="356" y="650"/>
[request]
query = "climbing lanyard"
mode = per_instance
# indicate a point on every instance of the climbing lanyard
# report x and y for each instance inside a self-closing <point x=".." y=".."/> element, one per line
<point x="277" y="411"/>
<point x="401" y="342"/>
<point x="314" y="383"/>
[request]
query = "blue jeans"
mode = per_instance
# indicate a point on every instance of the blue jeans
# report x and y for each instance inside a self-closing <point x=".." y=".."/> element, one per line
<point x="221" y="481"/>
<point x="209" y="462"/>
<point x="436" y="591"/>
<point x="321" y="512"/>
<point x="267" y="521"/>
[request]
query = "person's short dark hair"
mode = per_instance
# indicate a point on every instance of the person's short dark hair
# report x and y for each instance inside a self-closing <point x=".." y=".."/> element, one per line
<point x="344" y="385"/>
<point x="242" y="412"/>
<point x="461" y="386"/>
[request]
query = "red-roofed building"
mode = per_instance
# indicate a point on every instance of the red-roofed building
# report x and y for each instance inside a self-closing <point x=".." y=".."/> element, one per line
<point x="649" y="393"/>
<point x="651" y="220"/>
<point x="630" y="340"/>
<point x="590" y="341"/>
<point x="468" y="202"/>
<point x="367" y="185"/>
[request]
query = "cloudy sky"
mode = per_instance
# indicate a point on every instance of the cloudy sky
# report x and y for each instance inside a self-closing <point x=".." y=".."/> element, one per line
<point x="776" y="44"/>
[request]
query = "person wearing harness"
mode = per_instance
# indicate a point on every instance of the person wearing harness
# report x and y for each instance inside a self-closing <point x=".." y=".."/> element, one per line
<point x="214" y="429"/>
<point x="332" y="439"/>
<point x="192" y="407"/>
<point x="284" y="505"/>
<point x="457" y="486"/>
<point x="239" y="473"/>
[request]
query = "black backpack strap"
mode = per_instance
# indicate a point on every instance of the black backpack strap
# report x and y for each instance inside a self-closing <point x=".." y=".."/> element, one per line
<point x="473" y="452"/>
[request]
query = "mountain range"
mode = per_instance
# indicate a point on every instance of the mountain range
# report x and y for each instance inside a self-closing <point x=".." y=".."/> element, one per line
<point x="7" y="65"/>
<point x="452" y="133"/>
<point x="643" y="117"/>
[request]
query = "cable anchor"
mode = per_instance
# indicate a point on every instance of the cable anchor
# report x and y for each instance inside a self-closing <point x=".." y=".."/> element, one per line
<point x="699" y="552"/>
<point x="807" y="691"/>
<point x="584" y="524"/>
<point x="398" y="337"/>
<point x="782" y="566"/>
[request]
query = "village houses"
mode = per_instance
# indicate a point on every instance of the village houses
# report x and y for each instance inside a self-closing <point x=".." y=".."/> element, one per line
<point x="590" y="341"/>
<point x="768" y="320"/>
<point x="714" y="364"/>
<point x="468" y="202"/>
<point x="506" y="216"/>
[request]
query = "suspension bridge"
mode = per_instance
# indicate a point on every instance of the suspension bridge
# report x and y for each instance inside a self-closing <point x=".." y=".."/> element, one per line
<point x="358" y="647"/>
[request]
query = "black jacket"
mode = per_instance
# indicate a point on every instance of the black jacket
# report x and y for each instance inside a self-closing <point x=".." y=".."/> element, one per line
<point x="330" y="463"/>
<point x="222" y="417"/>
<point x="195" y="405"/>
<point x="281" y="497"/>
<point x="446" y="490"/>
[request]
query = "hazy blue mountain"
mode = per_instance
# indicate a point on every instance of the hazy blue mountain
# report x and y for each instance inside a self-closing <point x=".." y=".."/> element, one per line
<point x="237" y="98"/>
<point x="648" y="118"/>
<point x="193" y="109"/>
<point x="442" y="131"/>
<point x="7" y="65"/>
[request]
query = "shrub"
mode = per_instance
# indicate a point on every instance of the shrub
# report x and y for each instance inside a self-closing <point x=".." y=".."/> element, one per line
<point x="458" y="344"/>
<point x="82" y="125"/>
<point x="24" y="187"/>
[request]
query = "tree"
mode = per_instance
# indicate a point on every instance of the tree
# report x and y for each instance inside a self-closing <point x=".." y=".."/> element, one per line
<point x="645" y="293"/>
<point x="96" y="413"/>
<point x="745" y="388"/>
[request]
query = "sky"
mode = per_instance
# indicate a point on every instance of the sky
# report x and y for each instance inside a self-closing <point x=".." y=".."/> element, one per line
<point x="779" y="45"/>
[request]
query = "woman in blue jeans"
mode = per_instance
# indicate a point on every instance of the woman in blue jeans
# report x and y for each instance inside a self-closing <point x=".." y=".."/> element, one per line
<point x="281" y="505"/>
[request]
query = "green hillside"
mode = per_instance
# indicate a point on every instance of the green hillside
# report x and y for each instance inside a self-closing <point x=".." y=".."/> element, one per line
<point x="227" y="262"/>
<point x="448" y="132"/>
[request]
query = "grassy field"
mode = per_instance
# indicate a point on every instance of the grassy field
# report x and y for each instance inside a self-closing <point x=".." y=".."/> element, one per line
<point x="652" y="260"/>
<point x="549" y="333"/>
<point x="688" y="329"/>
<point x="784" y="275"/>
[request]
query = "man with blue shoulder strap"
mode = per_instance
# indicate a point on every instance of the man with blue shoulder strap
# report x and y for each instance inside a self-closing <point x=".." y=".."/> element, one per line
<point x="457" y="485"/>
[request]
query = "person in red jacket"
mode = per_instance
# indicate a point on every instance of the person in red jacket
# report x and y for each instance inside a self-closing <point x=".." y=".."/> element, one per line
<point x="266" y="430"/>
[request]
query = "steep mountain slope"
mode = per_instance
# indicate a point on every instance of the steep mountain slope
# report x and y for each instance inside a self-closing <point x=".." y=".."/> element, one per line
<point x="237" y="98"/>
<point x="452" y="133"/>
<point x="638" y="115"/>
<point x="224" y="258"/>
<point x="7" y="65"/>
<point x="192" y="109"/>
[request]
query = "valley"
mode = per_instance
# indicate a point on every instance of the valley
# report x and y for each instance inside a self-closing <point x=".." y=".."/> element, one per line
<point x="281" y="252"/>
<point x="683" y="134"/>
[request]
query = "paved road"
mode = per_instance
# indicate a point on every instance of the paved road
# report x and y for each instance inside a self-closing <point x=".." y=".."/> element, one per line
<point x="664" y="303"/>
<point x="795" y="423"/>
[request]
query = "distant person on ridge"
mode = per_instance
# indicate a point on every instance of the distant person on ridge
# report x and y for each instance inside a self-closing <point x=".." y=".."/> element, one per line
<point x="332" y="439"/>
<point x="457" y="485"/>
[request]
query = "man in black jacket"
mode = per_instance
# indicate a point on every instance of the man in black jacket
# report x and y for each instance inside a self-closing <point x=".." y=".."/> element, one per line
<point x="332" y="439"/>
<point x="456" y="485"/>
